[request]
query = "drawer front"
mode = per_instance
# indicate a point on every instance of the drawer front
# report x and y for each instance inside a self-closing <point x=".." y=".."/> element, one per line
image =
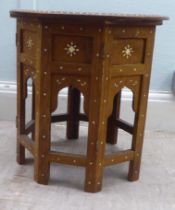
<point x="71" y="48"/>
<point x="128" y="51"/>
<point x="131" y="49"/>
<point x="72" y="45"/>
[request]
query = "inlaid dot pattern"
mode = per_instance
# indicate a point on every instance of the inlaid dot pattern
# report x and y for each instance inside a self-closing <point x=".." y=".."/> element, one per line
<point x="59" y="82"/>
<point x="116" y="85"/>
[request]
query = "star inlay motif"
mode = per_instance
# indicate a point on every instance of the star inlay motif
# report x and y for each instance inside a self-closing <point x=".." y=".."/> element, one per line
<point x="71" y="49"/>
<point x="127" y="51"/>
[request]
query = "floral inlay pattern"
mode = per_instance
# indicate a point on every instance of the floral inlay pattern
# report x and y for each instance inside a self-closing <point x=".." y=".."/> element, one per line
<point x="29" y="43"/>
<point x="71" y="49"/>
<point x="127" y="51"/>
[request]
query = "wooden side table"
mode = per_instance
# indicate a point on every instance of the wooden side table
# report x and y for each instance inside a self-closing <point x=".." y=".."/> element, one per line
<point x="97" y="55"/>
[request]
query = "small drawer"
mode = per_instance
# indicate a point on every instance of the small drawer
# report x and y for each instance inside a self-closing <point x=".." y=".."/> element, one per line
<point x="71" y="48"/>
<point x="128" y="51"/>
<point x="129" y="45"/>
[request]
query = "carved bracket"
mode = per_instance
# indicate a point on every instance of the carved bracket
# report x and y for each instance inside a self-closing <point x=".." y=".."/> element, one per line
<point x="116" y="84"/>
<point x="60" y="82"/>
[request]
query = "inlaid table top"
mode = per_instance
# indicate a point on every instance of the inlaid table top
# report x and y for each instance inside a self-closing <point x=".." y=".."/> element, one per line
<point x="113" y="18"/>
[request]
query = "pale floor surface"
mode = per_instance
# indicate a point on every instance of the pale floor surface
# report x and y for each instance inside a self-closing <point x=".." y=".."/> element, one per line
<point x="154" y="191"/>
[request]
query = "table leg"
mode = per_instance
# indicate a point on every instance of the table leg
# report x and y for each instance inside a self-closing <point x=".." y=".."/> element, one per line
<point x="42" y="139"/>
<point x="20" y="114"/>
<point x="96" y="144"/>
<point x="73" y="112"/>
<point x="33" y="109"/>
<point x="112" y="130"/>
<point x="42" y="126"/>
<point x="138" y="136"/>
